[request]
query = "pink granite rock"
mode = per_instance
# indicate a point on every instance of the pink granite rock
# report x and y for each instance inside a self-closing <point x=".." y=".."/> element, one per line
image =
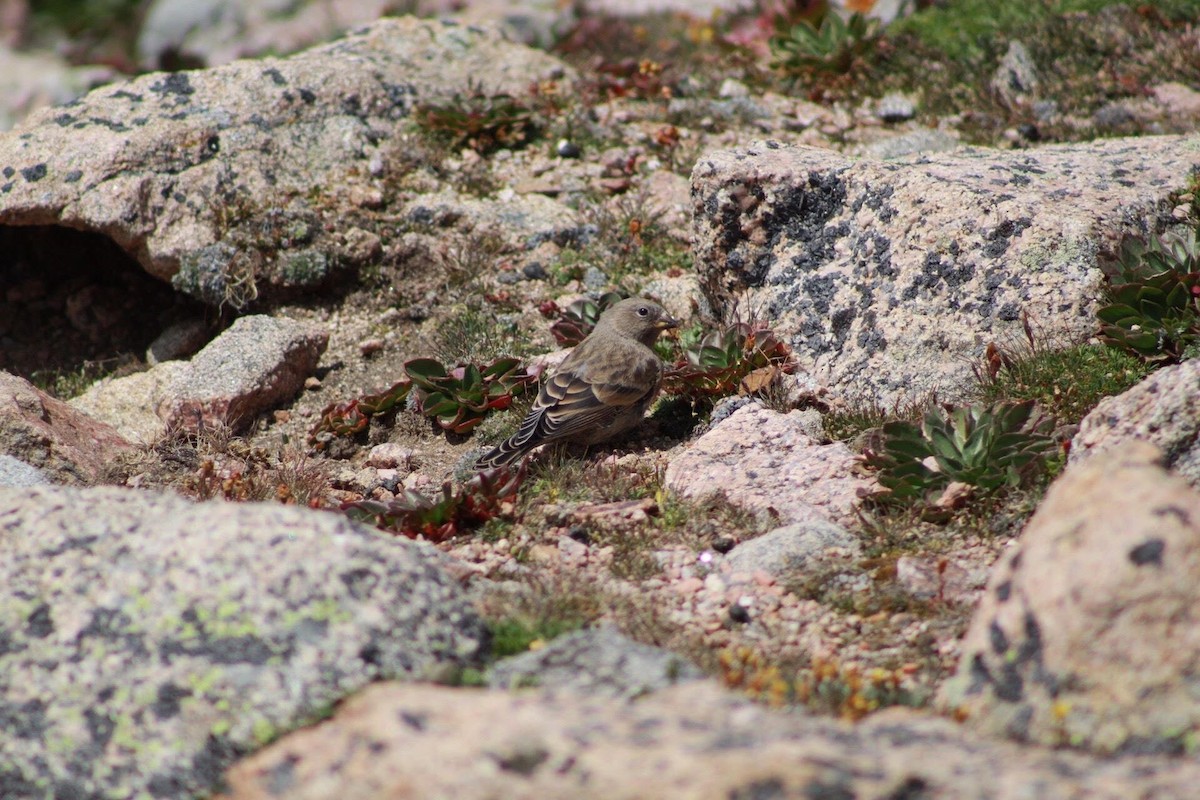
<point x="768" y="462"/>
<point x="68" y="445"/>
<point x="256" y="364"/>
<point x="1086" y="634"/>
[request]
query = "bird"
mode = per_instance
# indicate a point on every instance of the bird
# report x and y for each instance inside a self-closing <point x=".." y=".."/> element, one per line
<point x="601" y="390"/>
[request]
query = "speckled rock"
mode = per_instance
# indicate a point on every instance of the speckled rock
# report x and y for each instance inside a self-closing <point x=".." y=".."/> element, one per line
<point x="66" y="445"/>
<point x="784" y="551"/>
<point x="129" y="403"/>
<point x="1085" y="634"/>
<point x="598" y="662"/>
<point x="693" y="741"/>
<point x="14" y="472"/>
<point x="681" y="296"/>
<point x="148" y="641"/>
<point x="767" y="462"/>
<point x="1163" y="409"/>
<point x="887" y="277"/>
<point x="1015" y="81"/>
<point x="249" y="178"/>
<point x="254" y="365"/>
<point x="179" y="340"/>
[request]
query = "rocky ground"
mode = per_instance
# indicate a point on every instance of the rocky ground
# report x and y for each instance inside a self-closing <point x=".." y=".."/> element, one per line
<point x="216" y="281"/>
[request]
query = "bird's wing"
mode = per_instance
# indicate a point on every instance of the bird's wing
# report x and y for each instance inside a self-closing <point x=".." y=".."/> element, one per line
<point x="589" y="393"/>
<point x="593" y="385"/>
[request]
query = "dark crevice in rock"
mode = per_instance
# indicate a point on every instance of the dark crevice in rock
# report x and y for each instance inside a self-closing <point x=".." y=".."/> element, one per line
<point x="72" y="300"/>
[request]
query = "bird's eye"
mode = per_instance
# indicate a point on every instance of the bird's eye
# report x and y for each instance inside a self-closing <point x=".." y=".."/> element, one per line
<point x="643" y="311"/>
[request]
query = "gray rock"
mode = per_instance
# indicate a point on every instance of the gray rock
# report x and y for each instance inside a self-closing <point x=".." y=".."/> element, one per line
<point x="129" y="403"/>
<point x="895" y="107"/>
<point x="1016" y="81"/>
<point x="594" y="278"/>
<point x="910" y="143"/>
<point x="537" y="23"/>
<point x="210" y="32"/>
<point x="599" y="662"/>
<point x="681" y="296"/>
<point x="1113" y="117"/>
<point x="692" y="741"/>
<point x="14" y="472"/>
<point x="149" y="640"/>
<point x="257" y="363"/>
<point x="1164" y="409"/>
<point x="33" y="80"/>
<point x="1084" y="634"/>
<point x="940" y="579"/>
<point x="887" y="277"/>
<point x="179" y="340"/>
<point x="784" y="551"/>
<point x="223" y="180"/>
<point x="731" y="87"/>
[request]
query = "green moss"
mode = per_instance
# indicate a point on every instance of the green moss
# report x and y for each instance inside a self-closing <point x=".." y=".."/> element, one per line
<point x="969" y="29"/>
<point x="203" y="683"/>
<point x="218" y="274"/>
<point x="72" y="382"/>
<point x="1066" y="383"/>
<point x="514" y="635"/>
<point x="263" y="731"/>
<point x="305" y="268"/>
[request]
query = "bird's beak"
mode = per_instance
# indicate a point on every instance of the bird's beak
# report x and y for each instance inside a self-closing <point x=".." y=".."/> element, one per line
<point x="666" y="322"/>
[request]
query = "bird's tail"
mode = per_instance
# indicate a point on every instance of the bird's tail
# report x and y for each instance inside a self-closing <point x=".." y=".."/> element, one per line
<point x="506" y="453"/>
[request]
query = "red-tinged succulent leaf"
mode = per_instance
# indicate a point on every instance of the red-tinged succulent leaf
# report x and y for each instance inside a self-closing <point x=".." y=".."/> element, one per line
<point x="425" y="372"/>
<point x="722" y="362"/>
<point x="487" y="495"/>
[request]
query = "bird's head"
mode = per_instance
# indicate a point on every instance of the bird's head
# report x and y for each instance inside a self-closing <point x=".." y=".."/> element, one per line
<point x="638" y="318"/>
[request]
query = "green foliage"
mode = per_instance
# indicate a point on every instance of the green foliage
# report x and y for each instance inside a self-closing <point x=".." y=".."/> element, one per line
<point x="1066" y="383"/>
<point x="477" y="334"/>
<point x="965" y="29"/>
<point x="460" y="397"/>
<point x="513" y="635"/>
<point x="1086" y="59"/>
<point x="489" y="494"/>
<point x="483" y="122"/>
<point x="1154" y="309"/>
<point x="859" y="421"/>
<point x="988" y="447"/>
<point x="831" y="47"/>
<point x="65" y="383"/>
<point x="743" y="357"/>
<point x="578" y="319"/>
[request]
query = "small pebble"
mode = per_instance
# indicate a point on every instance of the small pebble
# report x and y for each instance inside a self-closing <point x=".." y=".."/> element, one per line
<point x="722" y="544"/>
<point x="567" y="149"/>
<point x="739" y="614"/>
<point x="390" y="455"/>
<point x="370" y="346"/>
<point x="894" y="108"/>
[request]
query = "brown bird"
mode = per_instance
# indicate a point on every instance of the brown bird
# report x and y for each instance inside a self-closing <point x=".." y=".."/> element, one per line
<point x="601" y="390"/>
